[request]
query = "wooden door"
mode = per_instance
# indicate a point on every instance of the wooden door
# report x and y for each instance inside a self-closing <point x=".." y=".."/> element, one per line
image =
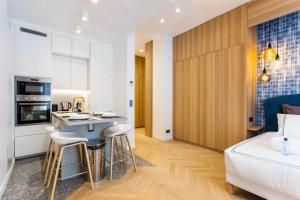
<point x="234" y="107"/>
<point x="148" y="88"/>
<point x="212" y="100"/>
<point x="139" y="91"/>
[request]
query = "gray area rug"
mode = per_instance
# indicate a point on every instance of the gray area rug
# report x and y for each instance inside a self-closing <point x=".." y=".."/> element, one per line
<point x="26" y="182"/>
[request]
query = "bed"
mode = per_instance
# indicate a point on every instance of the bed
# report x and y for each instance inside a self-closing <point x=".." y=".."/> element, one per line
<point x="253" y="166"/>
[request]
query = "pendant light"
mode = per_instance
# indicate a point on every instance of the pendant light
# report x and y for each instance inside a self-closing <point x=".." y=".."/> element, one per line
<point x="264" y="77"/>
<point x="269" y="51"/>
<point x="277" y="57"/>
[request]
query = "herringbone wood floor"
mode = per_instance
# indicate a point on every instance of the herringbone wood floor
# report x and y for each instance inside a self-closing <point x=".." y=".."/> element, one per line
<point x="183" y="171"/>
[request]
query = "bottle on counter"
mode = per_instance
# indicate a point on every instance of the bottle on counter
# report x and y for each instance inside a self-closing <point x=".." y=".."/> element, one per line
<point x="285" y="147"/>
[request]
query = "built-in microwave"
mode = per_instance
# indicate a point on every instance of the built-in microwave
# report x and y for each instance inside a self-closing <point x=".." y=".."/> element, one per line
<point x="33" y="86"/>
<point x="33" y="100"/>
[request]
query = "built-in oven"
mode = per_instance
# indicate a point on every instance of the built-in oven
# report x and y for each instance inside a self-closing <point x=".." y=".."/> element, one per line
<point x="33" y="100"/>
<point x="33" y="112"/>
<point x="33" y="86"/>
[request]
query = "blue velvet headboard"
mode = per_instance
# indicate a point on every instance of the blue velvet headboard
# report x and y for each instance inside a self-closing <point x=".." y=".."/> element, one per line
<point x="273" y="105"/>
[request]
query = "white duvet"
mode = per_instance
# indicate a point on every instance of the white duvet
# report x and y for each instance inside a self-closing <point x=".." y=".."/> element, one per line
<point x="255" y="161"/>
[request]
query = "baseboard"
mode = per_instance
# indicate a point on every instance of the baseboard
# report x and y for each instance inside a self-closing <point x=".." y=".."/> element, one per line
<point x="4" y="184"/>
<point x="164" y="138"/>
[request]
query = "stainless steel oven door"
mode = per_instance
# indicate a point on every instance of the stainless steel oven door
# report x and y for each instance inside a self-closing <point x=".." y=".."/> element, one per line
<point x="33" y="113"/>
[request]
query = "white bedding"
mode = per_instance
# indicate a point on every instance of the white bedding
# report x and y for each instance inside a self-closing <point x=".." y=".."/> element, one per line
<point x="257" y="163"/>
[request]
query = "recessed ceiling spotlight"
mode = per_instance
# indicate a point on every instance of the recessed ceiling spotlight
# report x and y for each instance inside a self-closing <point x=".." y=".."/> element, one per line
<point x="177" y="10"/>
<point x="85" y="15"/>
<point x="162" y="20"/>
<point x="78" y="29"/>
<point x="142" y="50"/>
<point x="94" y="1"/>
<point x="173" y="0"/>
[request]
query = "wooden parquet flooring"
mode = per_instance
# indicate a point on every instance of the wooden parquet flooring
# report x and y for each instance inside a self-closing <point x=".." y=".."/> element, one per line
<point x="182" y="172"/>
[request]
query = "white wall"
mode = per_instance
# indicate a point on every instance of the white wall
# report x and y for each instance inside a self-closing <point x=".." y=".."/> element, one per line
<point x="123" y="74"/>
<point x="6" y="82"/>
<point x="162" y="87"/>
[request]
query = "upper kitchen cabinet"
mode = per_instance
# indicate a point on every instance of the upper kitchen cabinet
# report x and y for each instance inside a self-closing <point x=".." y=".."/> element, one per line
<point x="61" y="72"/>
<point x="80" y="49"/>
<point x="65" y="46"/>
<point x="61" y="45"/>
<point x="79" y="74"/>
<point x="32" y="52"/>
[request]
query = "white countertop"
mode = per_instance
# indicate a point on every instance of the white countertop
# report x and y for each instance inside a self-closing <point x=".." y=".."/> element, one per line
<point x="65" y="119"/>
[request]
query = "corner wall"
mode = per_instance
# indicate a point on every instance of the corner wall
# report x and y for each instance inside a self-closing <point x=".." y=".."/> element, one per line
<point x="162" y="88"/>
<point x="6" y="88"/>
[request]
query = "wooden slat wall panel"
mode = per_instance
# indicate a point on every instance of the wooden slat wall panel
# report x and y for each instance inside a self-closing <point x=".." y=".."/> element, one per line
<point x="233" y="95"/>
<point x="139" y="91"/>
<point x="211" y="35"/>
<point x="178" y="100"/>
<point x="194" y="103"/>
<point x="234" y="27"/>
<point x="214" y="86"/>
<point x="251" y="75"/>
<point x="194" y="42"/>
<point x="148" y="87"/>
<point x="212" y="100"/>
<point x="260" y="11"/>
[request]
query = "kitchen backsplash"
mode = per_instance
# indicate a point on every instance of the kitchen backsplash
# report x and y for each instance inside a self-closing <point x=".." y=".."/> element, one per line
<point x="285" y="77"/>
<point x="59" y="96"/>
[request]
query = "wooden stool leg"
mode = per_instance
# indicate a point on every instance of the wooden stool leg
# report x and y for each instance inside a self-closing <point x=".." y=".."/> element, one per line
<point x="116" y="143"/>
<point x="53" y="165"/>
<point x="132" y="156"/>
<point x="47" y="155"/>
<point x="122" y="147"/>
<point x="56" y="173"/>
<point x="88" y="165"/>
<point x="48" y="165"/>
<point x="111" y="158"/>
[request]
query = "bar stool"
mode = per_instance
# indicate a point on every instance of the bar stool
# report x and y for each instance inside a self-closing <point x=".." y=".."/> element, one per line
<point x="60" y="142"/>
<point x="112" y="133"/>
<point x="47" y="161"/>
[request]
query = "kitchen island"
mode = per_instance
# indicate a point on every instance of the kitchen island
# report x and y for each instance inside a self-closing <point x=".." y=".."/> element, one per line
<point x="90" y="127"/>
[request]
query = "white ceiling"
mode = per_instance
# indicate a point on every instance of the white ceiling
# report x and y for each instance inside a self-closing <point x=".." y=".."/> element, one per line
<point x="110" y="19"/>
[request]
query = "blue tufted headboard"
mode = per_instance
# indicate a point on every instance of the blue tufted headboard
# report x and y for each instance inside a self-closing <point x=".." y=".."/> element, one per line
<point x="273" y="105"/>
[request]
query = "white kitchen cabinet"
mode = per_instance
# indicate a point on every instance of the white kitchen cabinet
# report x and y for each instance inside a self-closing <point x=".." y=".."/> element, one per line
<point x="102" y="58"/>
<point x="80" y="49"/>
<point x="31" y="145"/>
<point x="79" y="74"/>
<point x="31" y="140"/>
<point x="61" y="72"/>
<point x="61" y="45"/>
<point x="32" y="52"/>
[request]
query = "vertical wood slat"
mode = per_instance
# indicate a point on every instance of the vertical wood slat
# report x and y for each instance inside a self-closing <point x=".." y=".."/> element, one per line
<point x="148" y="87"/>
<point x="233" y="95"/>
<point x="139" y="91"/>
<point x="211" y="35"/>
<point x="234" y="27"/>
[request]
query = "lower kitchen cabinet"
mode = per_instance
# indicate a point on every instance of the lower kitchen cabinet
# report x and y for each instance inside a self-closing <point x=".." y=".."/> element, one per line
<point x="31" y="140"/>
<point x="31" y="145"/>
